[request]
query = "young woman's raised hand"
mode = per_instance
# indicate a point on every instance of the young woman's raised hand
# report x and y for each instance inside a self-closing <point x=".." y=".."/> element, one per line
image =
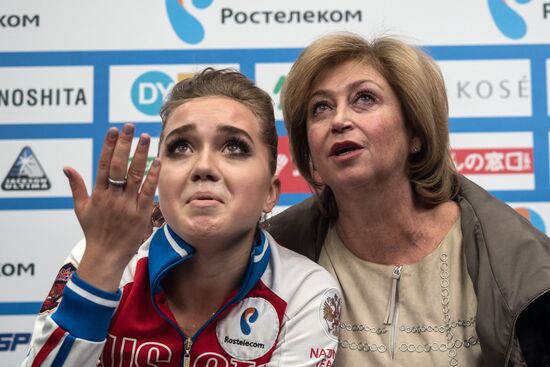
<point x="116" y="216"/>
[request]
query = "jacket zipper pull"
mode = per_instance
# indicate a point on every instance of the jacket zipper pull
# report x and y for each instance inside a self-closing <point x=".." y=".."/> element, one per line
<point x="187" y="352"/>
<point x="390" y="310"/>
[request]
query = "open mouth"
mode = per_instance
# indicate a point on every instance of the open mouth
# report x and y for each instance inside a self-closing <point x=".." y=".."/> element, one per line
<point x="339" y="149"/>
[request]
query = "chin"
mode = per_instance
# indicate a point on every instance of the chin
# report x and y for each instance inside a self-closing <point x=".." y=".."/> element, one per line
<point x="194" y="229"/>
<point x="350" y="180"/>
<point x="203" y="229"/>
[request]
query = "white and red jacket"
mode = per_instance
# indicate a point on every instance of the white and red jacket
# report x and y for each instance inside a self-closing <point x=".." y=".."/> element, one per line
<point x="285" y="313"/>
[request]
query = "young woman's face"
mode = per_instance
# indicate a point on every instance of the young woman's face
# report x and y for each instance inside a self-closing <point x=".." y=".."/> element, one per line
<point x="215" y="179"/>
<point x="356" y="131"/>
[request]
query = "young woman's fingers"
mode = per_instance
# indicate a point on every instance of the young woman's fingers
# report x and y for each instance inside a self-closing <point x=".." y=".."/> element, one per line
<point x="78" y="189"/>
<point x="138" y="165"/>
<point x="149" y="188"/>
<point x="105" y="159"/>
<point x="119" y="160"/>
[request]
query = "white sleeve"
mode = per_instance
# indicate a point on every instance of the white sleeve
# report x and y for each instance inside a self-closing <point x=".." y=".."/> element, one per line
<point x="309" y="334"/>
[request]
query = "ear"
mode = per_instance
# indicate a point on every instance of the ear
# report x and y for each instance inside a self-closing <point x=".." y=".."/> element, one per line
<point x="273" y="194"/>
<point x="317" y="178"/>
<point x="415" y="145"/>
<point x="315" y="174"/>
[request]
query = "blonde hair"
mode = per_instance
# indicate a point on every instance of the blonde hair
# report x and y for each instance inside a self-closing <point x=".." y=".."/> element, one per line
<point x="418" y="83"/>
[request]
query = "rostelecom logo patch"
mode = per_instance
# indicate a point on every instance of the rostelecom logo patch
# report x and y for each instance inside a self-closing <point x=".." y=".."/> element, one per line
<point x="249" y="331"/>
<point x="249" y="316"/>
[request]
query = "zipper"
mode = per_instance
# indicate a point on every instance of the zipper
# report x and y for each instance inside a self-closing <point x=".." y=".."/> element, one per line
<point x="187" y="352"/>
<point x="188" y="341"/>
<point x="392" y="311"/>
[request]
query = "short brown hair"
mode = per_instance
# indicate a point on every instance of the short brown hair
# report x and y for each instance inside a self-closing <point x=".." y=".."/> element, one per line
<point x="225" y="83"/>
<point x="420" y="89"/>
<point x="232" y="84"/>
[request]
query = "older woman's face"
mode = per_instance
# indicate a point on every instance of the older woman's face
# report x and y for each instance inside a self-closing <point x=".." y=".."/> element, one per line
<point x="356" y="131"/>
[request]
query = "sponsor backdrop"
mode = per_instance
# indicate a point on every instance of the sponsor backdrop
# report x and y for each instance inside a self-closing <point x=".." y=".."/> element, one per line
<point x="71" y="69"/>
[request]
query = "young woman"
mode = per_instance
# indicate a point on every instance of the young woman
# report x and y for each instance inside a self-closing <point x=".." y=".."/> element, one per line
<point x="208" y="288"/>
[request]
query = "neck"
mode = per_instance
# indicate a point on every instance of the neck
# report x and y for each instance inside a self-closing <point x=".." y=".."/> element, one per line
<point x="198" y="287"/>
<point x="388" y="226"/>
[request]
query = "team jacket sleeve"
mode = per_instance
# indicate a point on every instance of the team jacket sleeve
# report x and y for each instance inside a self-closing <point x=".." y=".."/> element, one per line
<point x="73" y="331"/>
<point x="309" y="334"/>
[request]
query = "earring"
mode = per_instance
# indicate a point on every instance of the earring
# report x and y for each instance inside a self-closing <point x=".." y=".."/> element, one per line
<point x="265" y="220"/>
<point x="414" y="149"/>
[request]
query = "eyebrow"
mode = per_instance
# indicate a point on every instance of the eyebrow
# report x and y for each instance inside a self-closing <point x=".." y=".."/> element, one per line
<point x="232" y="130"/>
<point x="354" y="85"/>
<point x="223" y="129"/>
<point x="180" y="130"/>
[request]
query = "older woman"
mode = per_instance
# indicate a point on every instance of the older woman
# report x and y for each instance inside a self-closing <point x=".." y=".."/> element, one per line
<point x="434" y="270"/>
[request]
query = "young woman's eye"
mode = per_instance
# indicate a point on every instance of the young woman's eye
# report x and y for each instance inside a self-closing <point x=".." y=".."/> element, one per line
<point x="178" y="147"/>
<point x="237" y="147"/>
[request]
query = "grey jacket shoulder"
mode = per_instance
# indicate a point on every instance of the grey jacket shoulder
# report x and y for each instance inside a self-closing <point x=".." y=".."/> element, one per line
<point x="511" y="245"/>
<point x="509" y="263"/>
<point x="301" y="228"/>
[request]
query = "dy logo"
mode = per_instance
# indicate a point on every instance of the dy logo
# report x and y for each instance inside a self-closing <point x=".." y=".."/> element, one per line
<point x="186" y="26"/>
<point x="149" y="90"/>
<point x="508" y="21"/>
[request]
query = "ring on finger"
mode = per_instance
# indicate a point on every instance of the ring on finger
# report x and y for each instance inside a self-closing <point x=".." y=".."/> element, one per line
<point x="117" y="183"/>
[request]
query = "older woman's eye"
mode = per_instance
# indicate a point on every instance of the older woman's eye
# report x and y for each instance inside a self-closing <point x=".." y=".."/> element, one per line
<point x="319" y="107"/>
<point x="236" y="147"/>
<point x="365" y="97"/>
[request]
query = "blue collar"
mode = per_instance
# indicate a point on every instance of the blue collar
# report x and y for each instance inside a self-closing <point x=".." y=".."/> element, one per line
<point x="167" y="250"/>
